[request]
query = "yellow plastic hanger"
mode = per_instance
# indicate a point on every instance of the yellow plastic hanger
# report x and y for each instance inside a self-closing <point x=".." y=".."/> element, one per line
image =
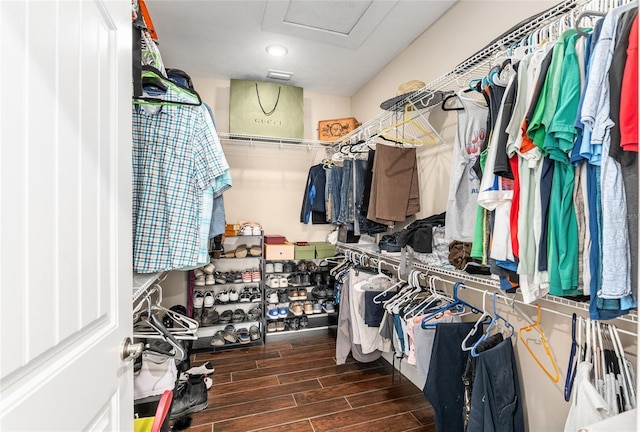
<point x="536" y="327"/>
<point x="409" y="130"/>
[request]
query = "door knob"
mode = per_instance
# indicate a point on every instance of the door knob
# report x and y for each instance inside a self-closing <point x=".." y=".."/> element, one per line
<point x="130" y="350"/>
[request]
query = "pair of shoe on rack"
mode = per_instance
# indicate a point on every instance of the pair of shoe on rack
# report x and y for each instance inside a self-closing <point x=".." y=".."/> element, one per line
<point x="250" y="229"/>
<point x="307" y="266"/>
<point x="242" y="250"/>
<point x="203" y="308"/>
<point x="273" y="326"/>
<point x="275" y="281"/>
<point x="204" y="275"/>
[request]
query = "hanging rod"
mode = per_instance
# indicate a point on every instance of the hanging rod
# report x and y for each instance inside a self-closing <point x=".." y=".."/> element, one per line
<point x="375" y="257"/>
<point x="247" y="140"/>
<point x="479" y="64"/>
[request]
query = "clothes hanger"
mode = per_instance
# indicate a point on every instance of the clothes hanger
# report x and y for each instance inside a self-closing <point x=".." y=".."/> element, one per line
<point x="407" y="291"/>
<point x="376" y="276"/>
<point x="478" y="324"/>
<point x="625" y="366"/>
<point x="458" y="304"/>
<point x="573" y="360"/>
<point x="341" y="265"/>
<point x="444" y="107"/>
<point x="497" y="318"/>
<point x="184" y="327"/>
<point x="409" y="130"/>
<point x="152" y="76"/>
<point x="555" y="377"/>
<point x="616" y="369"/>
<point x="435" y="297"/>
<point x="159" y="331"/>
<point x="412" y="287"/>
<point x="586" y="14"/>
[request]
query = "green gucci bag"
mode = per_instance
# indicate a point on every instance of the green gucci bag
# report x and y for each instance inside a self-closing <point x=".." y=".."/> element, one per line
<point x="266" y="109"/>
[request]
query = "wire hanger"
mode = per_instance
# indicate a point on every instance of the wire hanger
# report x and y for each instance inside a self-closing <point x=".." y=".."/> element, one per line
<point x="555" y="377"/>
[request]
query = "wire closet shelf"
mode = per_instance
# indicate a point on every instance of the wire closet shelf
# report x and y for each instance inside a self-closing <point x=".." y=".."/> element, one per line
<point x="476" y="66"/>
<point x="374" y="258"/>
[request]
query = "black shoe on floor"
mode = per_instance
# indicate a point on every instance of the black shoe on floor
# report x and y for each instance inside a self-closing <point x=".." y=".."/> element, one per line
<point x="189" y="397"/>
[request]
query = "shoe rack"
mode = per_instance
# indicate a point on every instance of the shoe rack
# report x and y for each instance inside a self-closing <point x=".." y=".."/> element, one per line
<point x="299" y="296"/>
<point x="232" y="295"/>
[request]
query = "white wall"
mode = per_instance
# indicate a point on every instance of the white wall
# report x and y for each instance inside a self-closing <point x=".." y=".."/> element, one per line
<point x="269" y="180"/>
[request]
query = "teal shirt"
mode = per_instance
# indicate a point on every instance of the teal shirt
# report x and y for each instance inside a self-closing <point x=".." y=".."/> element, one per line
<point x="563" y="252"/>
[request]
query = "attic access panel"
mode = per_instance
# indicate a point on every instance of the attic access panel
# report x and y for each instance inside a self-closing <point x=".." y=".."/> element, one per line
<point x="344" y="24"/>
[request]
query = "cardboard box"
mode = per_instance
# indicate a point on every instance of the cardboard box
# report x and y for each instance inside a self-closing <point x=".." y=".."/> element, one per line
<point x="230" y="233"/>
<point x="304" y="252"/>
<point x="274" y="239"/>
<point x="232" y="227"/>
<point x="277" y="252"/>
<point x="332" y="130"/>
<point x="324" y="249"/>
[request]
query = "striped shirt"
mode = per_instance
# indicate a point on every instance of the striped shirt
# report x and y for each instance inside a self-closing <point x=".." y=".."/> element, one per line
<point x="175" y="157"/>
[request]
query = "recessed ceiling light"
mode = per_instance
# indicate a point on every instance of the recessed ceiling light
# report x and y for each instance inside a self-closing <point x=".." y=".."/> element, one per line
<point x="277" y="50"/>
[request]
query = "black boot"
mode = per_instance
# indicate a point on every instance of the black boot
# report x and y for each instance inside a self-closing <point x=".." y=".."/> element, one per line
<point x="189" y="397"/>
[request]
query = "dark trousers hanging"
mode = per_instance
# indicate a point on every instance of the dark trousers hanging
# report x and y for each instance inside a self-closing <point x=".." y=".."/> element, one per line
<point x="444" y="388"/>
<point x="496" y="405"/>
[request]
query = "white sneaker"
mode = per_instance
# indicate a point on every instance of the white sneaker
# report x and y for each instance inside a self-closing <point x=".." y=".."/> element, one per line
<point x="208" y="299"/>
<point x="284" y="282"/>
<point x="223" y="297"/>
<point x="198" y="299"/>
<point x="273" y="297"/>
<point x="268" y="268"/>
<point x="273" y="282"/>
<point x="199" y="277"/>
<point x="277" y="267"/>
<point x="233" y="296"/>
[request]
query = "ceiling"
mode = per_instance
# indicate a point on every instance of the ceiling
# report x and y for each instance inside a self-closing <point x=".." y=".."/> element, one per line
<point x="334" y="47"/>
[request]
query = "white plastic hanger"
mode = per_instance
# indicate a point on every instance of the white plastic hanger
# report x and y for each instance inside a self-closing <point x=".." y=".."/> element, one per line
<point x="361" y="286"/>
<point x="479" y="323"/>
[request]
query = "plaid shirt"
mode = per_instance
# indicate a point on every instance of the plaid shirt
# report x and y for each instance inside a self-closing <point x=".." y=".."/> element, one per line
<point x="176" y="155"/>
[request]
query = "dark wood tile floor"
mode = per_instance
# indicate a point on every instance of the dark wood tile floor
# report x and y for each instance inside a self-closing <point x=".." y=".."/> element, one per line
<point x="293" y="384"/>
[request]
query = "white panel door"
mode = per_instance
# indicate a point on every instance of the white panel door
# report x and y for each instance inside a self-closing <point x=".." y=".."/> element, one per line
<point x="65" y="215"/>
